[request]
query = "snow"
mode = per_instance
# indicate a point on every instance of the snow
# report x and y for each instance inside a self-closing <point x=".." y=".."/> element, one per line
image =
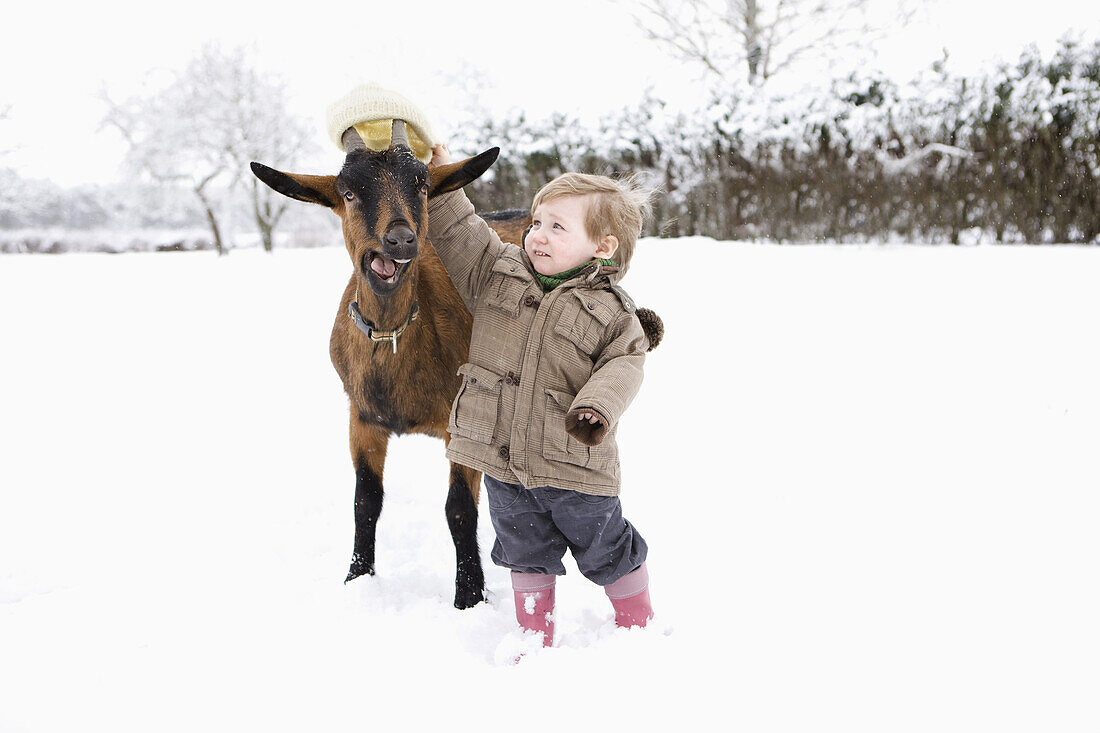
<point x="867" y="475"/>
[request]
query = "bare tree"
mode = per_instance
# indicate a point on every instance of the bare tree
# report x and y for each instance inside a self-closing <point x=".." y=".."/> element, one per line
<point x="169" y="144"/>
<point x="755" y="38"/>
<point x="203" y="129"/>
<point x="253" y="123"/>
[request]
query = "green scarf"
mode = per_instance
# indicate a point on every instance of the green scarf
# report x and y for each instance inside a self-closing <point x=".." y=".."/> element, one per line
<point x="549" y="282"/>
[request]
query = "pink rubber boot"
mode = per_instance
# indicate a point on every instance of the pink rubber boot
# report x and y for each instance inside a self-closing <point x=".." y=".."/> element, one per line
<point x="630" y="597"/>
<point x="535" y="603"/>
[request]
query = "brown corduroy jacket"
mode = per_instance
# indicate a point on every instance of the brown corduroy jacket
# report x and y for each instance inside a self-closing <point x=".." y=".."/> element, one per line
<point x="534" y="357"/>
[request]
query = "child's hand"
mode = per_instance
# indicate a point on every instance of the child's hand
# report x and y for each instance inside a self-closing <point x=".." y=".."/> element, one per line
<point x="440" y="155"/>
<point x="586" y="425"/>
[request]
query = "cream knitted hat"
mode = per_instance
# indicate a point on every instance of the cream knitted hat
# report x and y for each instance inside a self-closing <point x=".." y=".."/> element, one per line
<point x="370" y="109"/>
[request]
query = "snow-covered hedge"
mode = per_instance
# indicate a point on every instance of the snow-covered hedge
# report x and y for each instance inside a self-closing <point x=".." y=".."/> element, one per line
<point x="1013" y="156"/>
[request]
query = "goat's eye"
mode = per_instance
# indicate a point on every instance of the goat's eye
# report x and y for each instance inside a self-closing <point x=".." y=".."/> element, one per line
<point x="349" y="196"/>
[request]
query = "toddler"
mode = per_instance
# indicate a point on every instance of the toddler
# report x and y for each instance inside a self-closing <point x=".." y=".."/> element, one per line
<point x="555" y="359"/>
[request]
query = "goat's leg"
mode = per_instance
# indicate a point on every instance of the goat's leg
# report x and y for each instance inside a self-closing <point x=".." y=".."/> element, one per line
<point x="368" y="453"/>
<point x="462" y="519"/>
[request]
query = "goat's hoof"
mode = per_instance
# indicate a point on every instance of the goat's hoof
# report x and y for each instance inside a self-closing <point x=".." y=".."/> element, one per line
<point x="359" y="567"/>
<point x="468" y="597"/>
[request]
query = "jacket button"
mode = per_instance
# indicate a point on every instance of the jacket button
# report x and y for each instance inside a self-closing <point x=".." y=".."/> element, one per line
<point x="503" y="452"/>
<point x="529" y="300"/>
<point x="512" y="379"/>
<point x="591" y="306"/>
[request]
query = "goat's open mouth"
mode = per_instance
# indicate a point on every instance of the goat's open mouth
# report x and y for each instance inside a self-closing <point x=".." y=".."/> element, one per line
<point x="385" y="269"/>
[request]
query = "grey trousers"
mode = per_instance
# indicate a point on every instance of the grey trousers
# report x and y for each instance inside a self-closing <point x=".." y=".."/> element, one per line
<point x="534" y="527"/>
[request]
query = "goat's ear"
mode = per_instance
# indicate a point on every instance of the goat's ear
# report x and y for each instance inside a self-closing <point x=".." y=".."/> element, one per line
<point x="311" y="189"/>
<point x="453" y="176"/>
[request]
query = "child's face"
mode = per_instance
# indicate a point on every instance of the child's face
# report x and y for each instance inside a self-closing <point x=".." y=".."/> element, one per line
<point x="558" y="241"/>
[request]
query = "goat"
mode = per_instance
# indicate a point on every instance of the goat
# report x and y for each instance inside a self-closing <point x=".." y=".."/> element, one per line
<point x="510" y="225"/>
<point x="401" y="331"/>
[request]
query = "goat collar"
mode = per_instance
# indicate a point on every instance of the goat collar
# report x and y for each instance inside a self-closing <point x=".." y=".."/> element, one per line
<point x="372" y="332"/>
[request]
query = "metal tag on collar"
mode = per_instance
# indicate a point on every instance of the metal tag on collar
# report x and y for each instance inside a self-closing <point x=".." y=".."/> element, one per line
<point x="368" y="328"/>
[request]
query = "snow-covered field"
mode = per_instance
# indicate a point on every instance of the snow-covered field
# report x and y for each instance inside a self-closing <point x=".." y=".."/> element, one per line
<point x="869" y="478"/>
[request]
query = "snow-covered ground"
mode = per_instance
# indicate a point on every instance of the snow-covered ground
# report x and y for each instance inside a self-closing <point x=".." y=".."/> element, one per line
<point x="869" y="478"/>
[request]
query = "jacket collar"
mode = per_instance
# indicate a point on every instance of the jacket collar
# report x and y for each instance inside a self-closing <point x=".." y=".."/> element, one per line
<point x="595" y="273"/>
<point x="591" y="274"/>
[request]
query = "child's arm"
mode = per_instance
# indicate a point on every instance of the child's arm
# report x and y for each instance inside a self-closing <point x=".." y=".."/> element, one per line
<point x="615" y="381"/>
<point x="462" y="239"/>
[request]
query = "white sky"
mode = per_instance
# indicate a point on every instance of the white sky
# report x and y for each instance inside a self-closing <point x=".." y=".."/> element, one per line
<point x="584" y="56"/>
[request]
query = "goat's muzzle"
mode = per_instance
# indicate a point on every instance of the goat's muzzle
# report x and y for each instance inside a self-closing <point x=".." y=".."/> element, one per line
<point x="400" y="238"/>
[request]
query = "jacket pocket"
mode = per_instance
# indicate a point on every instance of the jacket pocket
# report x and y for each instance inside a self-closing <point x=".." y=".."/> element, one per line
<point x="584" y="320"/>
<point x="506" y="287"/>
<point x="558" y="445"/>
<point x="476" y="409"/>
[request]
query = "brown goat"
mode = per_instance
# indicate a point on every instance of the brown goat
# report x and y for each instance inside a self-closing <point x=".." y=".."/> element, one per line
<point x="510" y="225"/>
<point x="401" y="330"/>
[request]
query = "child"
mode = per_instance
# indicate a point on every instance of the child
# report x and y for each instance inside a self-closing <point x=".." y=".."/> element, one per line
<point x="555" y="358"/>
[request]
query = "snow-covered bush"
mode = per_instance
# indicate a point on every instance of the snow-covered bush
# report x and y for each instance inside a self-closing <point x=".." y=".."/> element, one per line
<point x="1014" y="156"/>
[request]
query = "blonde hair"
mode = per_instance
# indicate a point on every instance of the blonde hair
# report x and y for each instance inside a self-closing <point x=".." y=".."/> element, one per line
<point x="618" y="207"/>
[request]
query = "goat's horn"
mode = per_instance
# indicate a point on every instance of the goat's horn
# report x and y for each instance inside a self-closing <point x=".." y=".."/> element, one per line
<point x="398" y="136"/>
<point x="352" y="140"/>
